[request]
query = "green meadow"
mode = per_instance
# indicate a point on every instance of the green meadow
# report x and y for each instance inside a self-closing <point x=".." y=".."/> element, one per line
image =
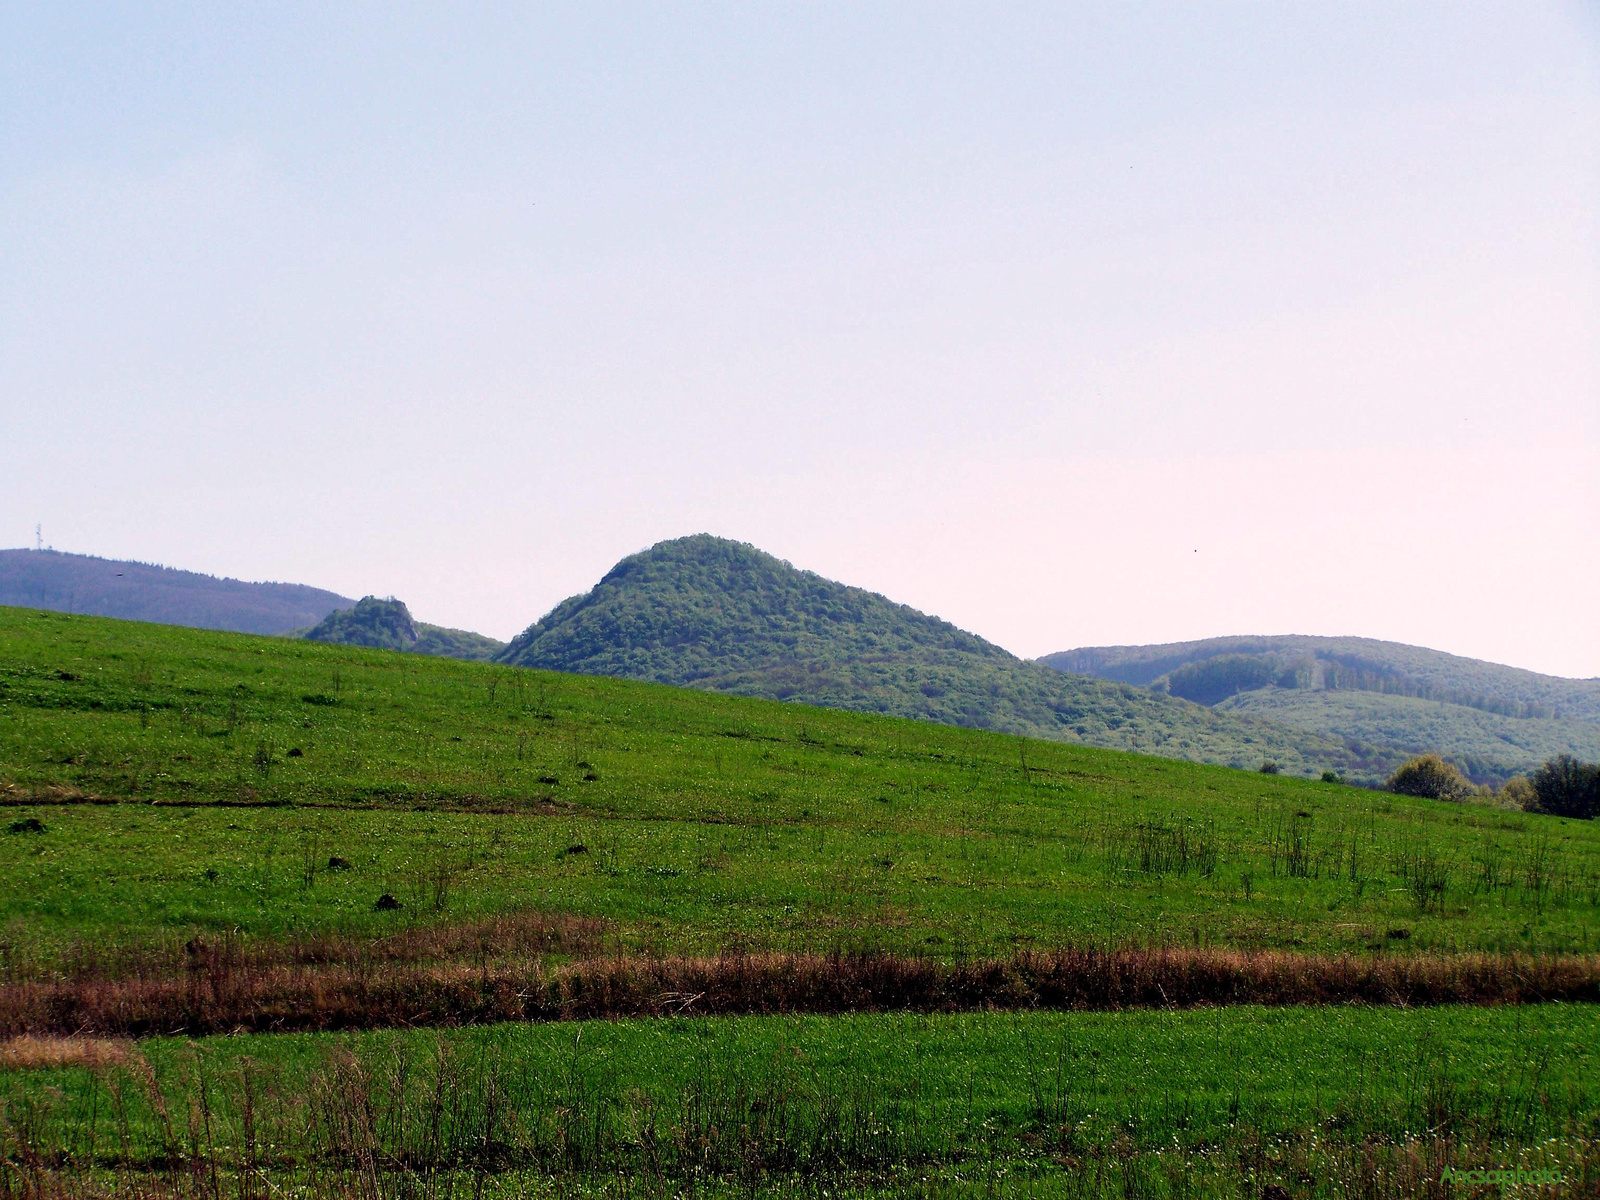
<point x="162" y="782"/>
<point x="241" y="766"/>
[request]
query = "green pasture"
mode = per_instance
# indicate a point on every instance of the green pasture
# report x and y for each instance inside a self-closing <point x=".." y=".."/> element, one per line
<point x="189" y="779"/>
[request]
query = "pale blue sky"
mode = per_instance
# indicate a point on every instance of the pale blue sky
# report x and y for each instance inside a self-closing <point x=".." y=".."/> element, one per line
<point x="1072" y="324"/>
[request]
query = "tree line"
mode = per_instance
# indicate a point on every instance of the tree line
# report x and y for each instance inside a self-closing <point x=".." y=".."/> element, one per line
<point x="1563" y="787"/>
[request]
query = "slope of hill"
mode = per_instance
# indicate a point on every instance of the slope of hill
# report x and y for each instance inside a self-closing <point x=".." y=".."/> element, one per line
<point x="185" y="779"/>
<point x="214" y="832"/>
<point x="133" y="591"/>
<point x="719" y="615"/>
<point x="388" y="625"/>
<point x="1492" y="720"/>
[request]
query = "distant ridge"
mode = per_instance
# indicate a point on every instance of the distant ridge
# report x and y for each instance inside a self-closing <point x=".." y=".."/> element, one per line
<point x="720" y="615"/>
<point x="138" y="591"/>
<point x="1492" y="720"/>
<point x="1392" y="667"/>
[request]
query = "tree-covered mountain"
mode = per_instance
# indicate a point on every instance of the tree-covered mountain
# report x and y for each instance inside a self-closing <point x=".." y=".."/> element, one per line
<point x="1347" y="663"/>
<point x="709" y="613"/>
<point x="134" y="591"/>
<point x="388" y="625"/>
<point x="1491" y="720"/>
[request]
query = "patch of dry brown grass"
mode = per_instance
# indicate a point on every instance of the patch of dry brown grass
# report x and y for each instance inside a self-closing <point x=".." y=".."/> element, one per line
<point x="14" y="795"/>
<point x="47" y="1052"/>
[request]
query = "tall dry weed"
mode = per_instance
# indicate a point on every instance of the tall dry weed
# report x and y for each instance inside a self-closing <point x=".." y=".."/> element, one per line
<point x="313" y="996"/>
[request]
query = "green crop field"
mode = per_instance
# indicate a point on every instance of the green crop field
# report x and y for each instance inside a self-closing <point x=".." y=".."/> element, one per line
<point x="1210" y="1102"/>
<point x="162" y="784"/>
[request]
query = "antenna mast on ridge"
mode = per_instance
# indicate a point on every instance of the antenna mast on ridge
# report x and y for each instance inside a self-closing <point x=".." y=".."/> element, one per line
<point x="38" y="536"/>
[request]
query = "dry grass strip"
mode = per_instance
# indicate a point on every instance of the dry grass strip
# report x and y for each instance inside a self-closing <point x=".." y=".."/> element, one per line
<point x="222" y="996"/>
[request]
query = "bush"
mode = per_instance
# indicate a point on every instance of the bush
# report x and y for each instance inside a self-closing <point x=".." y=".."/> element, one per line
<point x="1430" y="776"/>
<point x="1517" y="792"/>
<point x="1566" y="787"/>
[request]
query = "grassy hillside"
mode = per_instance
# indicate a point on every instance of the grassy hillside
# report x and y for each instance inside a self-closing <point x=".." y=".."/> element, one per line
<point x="722" y="616"/>
<point x="134" y="591"/>
<point x="218" y="819"/>
<point x="387" y="625"/>
<point x="461" y="789"/>
<point x="1492" y="721"/>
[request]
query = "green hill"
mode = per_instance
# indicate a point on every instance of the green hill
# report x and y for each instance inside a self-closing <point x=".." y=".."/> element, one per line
<point x="133" y="591"/>
<point x="1492" y="720"/>
<point x="305" y="836"/>
<point x="387" y="625"/>
<point x="184" y="779"/>
<point x="722" y="616"/>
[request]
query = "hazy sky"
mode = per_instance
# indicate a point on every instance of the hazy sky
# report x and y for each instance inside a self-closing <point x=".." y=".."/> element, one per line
<point x="1073" y="324"/>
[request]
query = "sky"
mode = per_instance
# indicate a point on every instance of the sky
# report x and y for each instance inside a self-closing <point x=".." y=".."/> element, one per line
<point x="1074" y="324"/>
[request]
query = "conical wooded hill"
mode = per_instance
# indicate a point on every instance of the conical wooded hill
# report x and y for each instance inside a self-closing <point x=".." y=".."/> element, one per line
<point x="721" y="615"/>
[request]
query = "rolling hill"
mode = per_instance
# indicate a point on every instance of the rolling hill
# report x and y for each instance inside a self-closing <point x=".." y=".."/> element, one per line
<point x="1491" y="720"/>
<point x="336" y="881"/>
<point x="722" y="616"/>
<point x="134" y="591"/>
<point x="162" y="781"/>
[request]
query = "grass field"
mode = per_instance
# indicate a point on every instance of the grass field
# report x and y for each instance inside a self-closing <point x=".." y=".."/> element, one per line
<point x="462" y="789"/>
<point x="1220" y="1102"/>
<point x="171" y="791"/>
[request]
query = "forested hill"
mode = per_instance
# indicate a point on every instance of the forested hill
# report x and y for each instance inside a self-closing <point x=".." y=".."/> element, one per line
<point x="134" y="591"/>
<point x="720" y="615"/>
<point x="1349" y="663"/>
<point x="388" y="625"/>
<point x="1491" y="720"/>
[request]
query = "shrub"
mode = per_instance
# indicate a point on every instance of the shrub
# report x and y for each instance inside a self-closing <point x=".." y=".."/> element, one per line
<point x="1566" y="787"/>
<point x="1517" y="792"/>
<point x="1268" y="768"/>
<point x="1429" y="776"/>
